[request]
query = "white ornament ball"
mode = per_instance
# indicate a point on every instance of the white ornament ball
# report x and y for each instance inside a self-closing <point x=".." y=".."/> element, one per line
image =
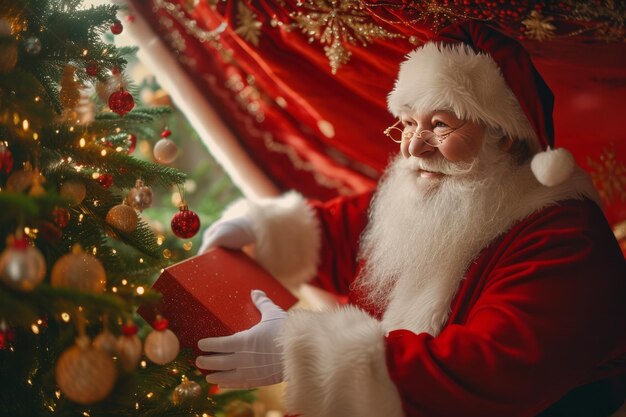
<point x="129" y="351"/>
<point x="107" y="342"/>
<point x="162" y="346"/>
<point x="22" y="269"/>
<point x="553" y="166"/>
<point x="165" y="151"/>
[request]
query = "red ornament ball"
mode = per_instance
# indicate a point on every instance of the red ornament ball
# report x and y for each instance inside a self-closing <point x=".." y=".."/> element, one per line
<point x="61" y="217"/>
<point x="117" y="28"/>
<point x="132" y="143"/>
<point x="92" y="69"/>
<point x="6" y="159"/>
<point x="105" y="180"/>
<point x="121" y="102"/>
<point x="166" y="133"/>
<point x="185" y="223"/>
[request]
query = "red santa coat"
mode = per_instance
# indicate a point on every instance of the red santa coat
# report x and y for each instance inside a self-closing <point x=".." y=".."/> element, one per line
<point x="541" y="312"/>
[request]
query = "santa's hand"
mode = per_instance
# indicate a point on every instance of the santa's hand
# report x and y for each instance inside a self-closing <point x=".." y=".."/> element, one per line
<point x="247" y="359"/>
<point x="234" y="233"/>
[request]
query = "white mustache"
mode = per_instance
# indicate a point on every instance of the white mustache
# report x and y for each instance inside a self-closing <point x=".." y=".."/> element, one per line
<point x="439" y="166"/>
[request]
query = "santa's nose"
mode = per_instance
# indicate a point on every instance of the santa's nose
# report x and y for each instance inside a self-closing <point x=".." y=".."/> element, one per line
<point x="418" y="148"/>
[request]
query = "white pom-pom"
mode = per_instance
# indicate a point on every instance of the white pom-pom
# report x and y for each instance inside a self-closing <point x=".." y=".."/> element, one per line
<point x="553" y="166"/>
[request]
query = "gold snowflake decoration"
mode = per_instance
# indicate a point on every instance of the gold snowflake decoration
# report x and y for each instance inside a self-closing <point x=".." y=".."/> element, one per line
<point x="248" y="27"/>
<point x="538" y="27"/>
<point x="336" y="23"/>
<point x="609" y="176"/>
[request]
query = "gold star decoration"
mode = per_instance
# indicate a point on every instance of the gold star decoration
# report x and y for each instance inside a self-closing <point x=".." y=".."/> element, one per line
<point x="609" y="176"/>
<point x="336" y="23"/>
<point x="248" y="27"/>
<point x="538" y="27"/>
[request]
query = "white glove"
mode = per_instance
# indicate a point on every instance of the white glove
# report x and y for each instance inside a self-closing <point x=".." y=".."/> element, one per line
<point x="233" y="233"/>
<point x="250" y="358"/>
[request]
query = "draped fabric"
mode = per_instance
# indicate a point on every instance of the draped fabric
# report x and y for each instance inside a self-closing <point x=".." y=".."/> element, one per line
<point x="303" y="83"/>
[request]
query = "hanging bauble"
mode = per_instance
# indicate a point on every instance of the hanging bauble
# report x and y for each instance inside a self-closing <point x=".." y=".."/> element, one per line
<point x="6" y="158"/>
<point x="238" y="408"/>
<point x="121" y="102"/>
<point x="140" y="196"/>
<point x="8" y="54"/>
<point x="61" y="217"/>
<point x="186" y="391"/>
<point x="185" y="223"/>
<point x="122" y="217"/>
<point x="84" y="373"/>
<point x="50" y="232"/>
<point x="129" y="348"/>
<point x="161" y="345"/>
<point x="116" y="27"/>
<point x="106" y="342"/>
<point x="166" y="133"/>
<point x="92" y="68"/>
<point x="105" y="180"/>
<point x="37" y="190"/>
<point x="7" y="335"/>
<point x="74" y="191"/>
<point x="165" y="151"/>
<point x="22" y="267"/>
<point x="108" y="87"/>
<point x="132" y="143"/>
<point x="5" y="27"/>
<point x="79" y="270"/>
<point x="70" y="88"/>
<point x="32" y="45"/>
<point x="20" y="181"/>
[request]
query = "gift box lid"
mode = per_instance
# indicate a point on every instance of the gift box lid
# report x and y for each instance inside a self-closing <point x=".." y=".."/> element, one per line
<point x="209" y="295"/>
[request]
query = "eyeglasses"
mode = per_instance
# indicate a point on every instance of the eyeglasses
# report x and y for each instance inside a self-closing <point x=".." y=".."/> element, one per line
<point x="429" y="137"/>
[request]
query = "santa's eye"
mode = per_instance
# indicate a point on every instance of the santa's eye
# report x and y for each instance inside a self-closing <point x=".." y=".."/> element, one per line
<point x="408" y="123"/>
<point x="440" y="125"/>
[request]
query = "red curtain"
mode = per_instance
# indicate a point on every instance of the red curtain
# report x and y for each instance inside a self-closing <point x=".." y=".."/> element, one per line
<point x="303" y="83"/>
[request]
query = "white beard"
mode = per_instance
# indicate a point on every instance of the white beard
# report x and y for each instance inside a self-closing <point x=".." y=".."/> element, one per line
<point x="424" y="233"/>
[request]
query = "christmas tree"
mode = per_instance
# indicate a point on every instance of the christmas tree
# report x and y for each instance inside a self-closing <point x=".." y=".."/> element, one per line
<point x="76" y="256"/>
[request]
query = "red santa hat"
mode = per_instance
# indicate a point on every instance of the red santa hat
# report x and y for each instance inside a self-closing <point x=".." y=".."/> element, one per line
<point x="483" y="75"/>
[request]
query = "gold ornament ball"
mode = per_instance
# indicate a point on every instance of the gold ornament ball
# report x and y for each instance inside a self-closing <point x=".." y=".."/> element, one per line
<point x="106" y="342"/>
<point x="8" y="55"/>
<point x="165" y="151"/>
<point x="129" y="351"/>
<point x="22" y="269"/>
<point x="20" y="181"/>
<point x="79" y="270"/>
<point x="186" y="391"/>
<point x="85" y="374"/>
<point x="162" y="346"/>
<point x="74" y="191"/>
<point x="239" y="408"/>
<point x="69" y="96"/>
<point x="122" y="217"/>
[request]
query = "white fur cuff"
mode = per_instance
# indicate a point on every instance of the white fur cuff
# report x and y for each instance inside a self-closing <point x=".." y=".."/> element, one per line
<point x="287" y="236"/>
<point x="335" y="365"/>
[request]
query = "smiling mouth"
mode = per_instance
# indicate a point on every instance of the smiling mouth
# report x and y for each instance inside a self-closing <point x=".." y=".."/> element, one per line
<point x="429" y="174"/>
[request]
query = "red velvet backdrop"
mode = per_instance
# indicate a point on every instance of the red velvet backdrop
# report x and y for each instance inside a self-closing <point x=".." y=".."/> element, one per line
<point x="303" y="83"/>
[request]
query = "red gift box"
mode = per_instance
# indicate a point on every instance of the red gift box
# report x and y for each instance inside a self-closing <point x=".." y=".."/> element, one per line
<point x="209" y="295"/>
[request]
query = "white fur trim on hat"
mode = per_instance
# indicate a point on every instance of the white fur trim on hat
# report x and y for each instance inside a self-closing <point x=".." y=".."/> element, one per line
<point x="552" y="167"/>
<point x="335" y="365"/>
<point x="288" y="238"/>
<point x="454" y="77"/>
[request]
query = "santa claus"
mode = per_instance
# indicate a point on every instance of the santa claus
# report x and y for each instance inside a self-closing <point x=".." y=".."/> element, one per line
<point x="482" y="276"/>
